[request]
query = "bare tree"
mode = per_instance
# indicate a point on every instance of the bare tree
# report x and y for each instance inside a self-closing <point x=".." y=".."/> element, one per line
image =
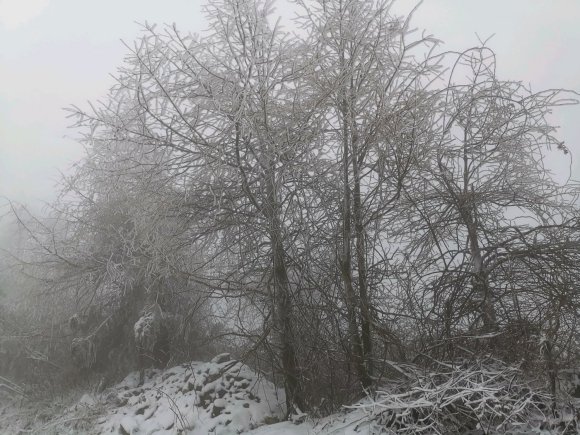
<point x="374" y="74"/>
<point x="333" y="199"/>
<point x="487" y="217"/>
<point x="228" y="115"/>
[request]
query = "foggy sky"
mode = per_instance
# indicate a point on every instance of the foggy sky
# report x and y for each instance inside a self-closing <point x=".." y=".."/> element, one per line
<point x="54" y="53"/>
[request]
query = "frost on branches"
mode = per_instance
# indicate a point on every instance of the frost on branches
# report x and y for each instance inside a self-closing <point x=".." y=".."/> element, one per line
<point x="482" y="396"/>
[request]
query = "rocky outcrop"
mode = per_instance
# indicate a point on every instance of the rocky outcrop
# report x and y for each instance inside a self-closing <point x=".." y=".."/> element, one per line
<point x="222" y="397"/>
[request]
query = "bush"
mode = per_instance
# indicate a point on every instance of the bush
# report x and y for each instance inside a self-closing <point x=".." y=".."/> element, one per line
<point x="484" y="396"/>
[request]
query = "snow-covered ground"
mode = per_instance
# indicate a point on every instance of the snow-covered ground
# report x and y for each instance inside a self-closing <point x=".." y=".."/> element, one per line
<point x="226" y="397"/>
<point x="220" y="397"/>
<point x="346" y="423"/>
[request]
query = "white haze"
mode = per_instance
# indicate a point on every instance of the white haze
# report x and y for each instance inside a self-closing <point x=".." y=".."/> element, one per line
<point x="54" y="53"/>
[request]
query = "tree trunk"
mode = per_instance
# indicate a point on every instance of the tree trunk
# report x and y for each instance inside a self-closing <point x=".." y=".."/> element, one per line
<point x="480" y="281"/>
<point x="357" y="355"/>
<point x="362" y="275"/>
<point x="282" y="300"/>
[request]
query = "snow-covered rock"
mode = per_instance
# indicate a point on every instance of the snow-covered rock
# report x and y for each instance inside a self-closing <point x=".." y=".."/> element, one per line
<point x="222" y="357"/>
<point x="221" y="397"/>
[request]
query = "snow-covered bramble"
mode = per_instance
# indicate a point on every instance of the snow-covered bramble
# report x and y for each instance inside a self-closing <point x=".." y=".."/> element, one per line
<point x="82" y="322"/>
<point x="87" y="328"/>
<point x="148" y="328"/>
<point x="151" y="338"/>
<point x="83" y="352"/>
<point x="455" y="398"/>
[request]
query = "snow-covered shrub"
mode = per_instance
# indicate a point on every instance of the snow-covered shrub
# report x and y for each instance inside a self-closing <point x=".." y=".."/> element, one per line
<point x="83" y="352"/>
<point x="148" y="328"/>
<point x="457" y="397"/>
<point x="151" y="338"/>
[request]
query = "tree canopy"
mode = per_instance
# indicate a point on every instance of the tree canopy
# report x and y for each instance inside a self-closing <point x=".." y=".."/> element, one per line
<point x="321" y="201"/>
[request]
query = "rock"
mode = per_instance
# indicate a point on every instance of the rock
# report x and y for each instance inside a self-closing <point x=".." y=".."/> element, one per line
<point x="166" y="403"/>
<point x="218" y="406"/>
<point x="221" y="358"/>
<point x="127" y="426"/>
<point x="112" y="397"/>
<point x="87" y="400"/>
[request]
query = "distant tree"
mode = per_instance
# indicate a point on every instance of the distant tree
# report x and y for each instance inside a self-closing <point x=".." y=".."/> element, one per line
<point x="111" y="244"/>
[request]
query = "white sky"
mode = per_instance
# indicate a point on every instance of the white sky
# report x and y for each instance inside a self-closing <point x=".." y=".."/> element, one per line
<point x="54" y="53"/>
